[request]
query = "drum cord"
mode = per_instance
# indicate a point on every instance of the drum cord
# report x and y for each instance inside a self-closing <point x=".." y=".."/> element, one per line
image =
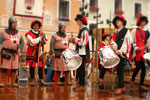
<point x="130" y="64"/>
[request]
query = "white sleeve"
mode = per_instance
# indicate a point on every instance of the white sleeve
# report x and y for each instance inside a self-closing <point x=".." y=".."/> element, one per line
<point x="126" y="46"/>
<point x="83" y="41"/>
<point x="133" y="34"/>
<point x="113" y="43"/>
<point x="33" y="42"/>
<point x="45" y="39"/>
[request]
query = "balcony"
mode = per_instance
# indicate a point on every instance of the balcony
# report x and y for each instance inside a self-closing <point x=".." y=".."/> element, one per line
<point x="119" y="12"/>
<point x="137" y="15"/>
<point x="94" y="8"/>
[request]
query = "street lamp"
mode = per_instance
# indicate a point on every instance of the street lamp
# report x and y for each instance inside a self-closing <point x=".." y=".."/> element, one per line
<point x="84" y="6"/>
<point x="108" y="21"/>
<point x="97" y="22"/>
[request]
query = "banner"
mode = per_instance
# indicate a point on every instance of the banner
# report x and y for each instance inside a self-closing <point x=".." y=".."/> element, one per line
<point x="28" y="8"/>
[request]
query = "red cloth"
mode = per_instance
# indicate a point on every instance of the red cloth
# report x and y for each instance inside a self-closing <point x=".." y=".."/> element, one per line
<point x="123" y="18"/>
<point x="138" y="21"/>
<point x="8" y="74"/>
<point x="140" y="44"/>
<point x="114" y="36"/>
<point x="102" y="44"/>
<point x="55" y="77"/>
<point x="86" y="62"/>
<point x="130" y="55"/>
<point x="84" y="19"/>
<point x="105" y="34"/>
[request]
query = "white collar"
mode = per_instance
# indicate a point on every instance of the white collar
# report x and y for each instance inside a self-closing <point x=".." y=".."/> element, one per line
<point x="119" y="29"/>
<point x="83" y="26"/>
<point x="141" y="28"/>
<point x="35" y="32"/>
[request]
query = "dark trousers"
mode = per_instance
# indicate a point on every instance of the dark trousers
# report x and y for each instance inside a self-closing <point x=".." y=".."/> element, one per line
<point x="139" y="66"/>
<point x="120" y="72"/>
<point x="81" y="72"/>
<point x="102" y="73"/>
<point x="32" y="72"/>
<point x="3" y="70"/>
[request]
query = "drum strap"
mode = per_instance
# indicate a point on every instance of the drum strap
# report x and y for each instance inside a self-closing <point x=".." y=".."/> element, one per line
<point x="141" y="36"/>
<point x="146" y="37"/>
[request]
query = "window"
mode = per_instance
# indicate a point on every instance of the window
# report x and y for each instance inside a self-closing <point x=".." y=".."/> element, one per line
<point x="64" y="10"/>
<point x="94" y="5"/>
<point x="118" y="8"/>
<point x="93" y="2"/>
<point x="137" y="8"/>
<point x="118" y="4"/>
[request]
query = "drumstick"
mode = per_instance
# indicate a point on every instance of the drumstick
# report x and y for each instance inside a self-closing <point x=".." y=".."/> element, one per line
<point x="119" y="53"/>
<point x="72" y="37"/>
<point x="38" y="59"/>
<point x="143" y="47"/>
<point x="71" y="34"/>
<point x="75" y="70"/>
<point x="122" y="56"/>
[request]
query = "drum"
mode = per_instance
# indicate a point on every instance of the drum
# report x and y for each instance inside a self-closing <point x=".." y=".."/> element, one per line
<point x="147" y="59"/>
<point x="71" y="59"/>
<point x="108" y="57"/>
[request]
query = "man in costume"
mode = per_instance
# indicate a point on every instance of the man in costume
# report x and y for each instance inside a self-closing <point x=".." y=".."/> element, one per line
<point x="11" y="43"/>
<point x="60" y="42"/>
<point x="140" y="37"/>
<point x="34" y="38"/>
<point x="123" y="40"/>
<point x="82" y="48"/>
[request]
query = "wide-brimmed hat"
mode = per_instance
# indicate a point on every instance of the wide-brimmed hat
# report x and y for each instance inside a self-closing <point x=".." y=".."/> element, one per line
<point x="81" y="18"/>
<point x="119" y="18"/>
<point x="142" y="18"/>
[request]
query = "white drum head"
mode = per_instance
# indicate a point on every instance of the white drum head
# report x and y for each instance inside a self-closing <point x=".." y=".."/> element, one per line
<point x="112" y="62"/>
<point x="74" y="63"/>
<point x="147" y="59"/>
<point x="146" y="56"/>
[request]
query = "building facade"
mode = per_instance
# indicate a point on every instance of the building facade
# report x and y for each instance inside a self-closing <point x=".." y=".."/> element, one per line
<point x="130" y="9"/>
<point x="55" y="11"/>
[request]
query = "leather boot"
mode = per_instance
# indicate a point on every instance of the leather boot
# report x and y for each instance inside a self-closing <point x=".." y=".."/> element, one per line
<point x="32" y="82"/>
<point x="42" y="82"/>
<point x="67" y="78"/>
<point x="4" y="79"/>
<point x="13" y="80"/>
<point x="58" y="77"/>
<point x="120" y="90"/>
<point x="143" y="88"/>
<point x="131" y="84"/>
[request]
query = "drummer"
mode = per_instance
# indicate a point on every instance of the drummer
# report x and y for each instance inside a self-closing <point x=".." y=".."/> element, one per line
<point x="82" y="48"/>
<point x="123" y="40"/>
<point x="140" y="37"/>
<point x="105" y="42"/>
<point x="59" y="42"/>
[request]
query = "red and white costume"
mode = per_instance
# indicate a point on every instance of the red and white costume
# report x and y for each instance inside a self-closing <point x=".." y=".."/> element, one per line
<point x="126" y="45"/>
<point x="33" y="40"/>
